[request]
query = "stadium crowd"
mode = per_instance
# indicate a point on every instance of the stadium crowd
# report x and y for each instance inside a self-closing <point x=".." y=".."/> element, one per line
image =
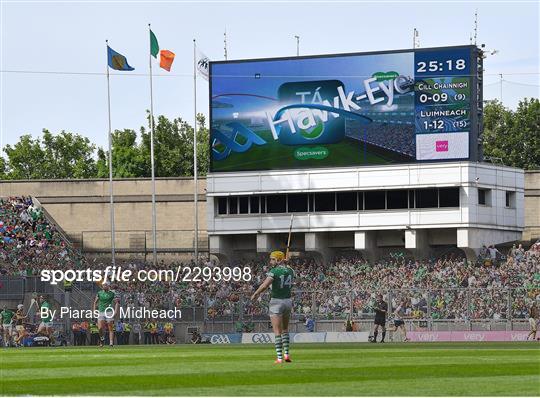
<point x="29" y="242"/>
<point x="448" y="287"/>
<point x="394" y="137"/>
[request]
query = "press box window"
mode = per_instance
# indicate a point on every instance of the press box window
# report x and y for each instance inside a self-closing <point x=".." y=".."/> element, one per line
<point x="484" y="197"/>
<point x="426" y="198"/>
<point x="325" y="201"/>
<point x="243" y="204"/>
<point x="347" y="201"/>
<point x="510" y="199"/>
<point x="276" y="204"/>
<point x="449" y="197"/>
<point x="254" y="204"/>
<point x="233" y="205"/>
<point x="397" y="199"/>
<point x="297" y="203"/>
<point x="375" y="200"/>
<point x="222" y="205"/>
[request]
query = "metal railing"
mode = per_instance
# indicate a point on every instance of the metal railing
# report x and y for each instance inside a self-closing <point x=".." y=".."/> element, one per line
<point x="425" y="307"/>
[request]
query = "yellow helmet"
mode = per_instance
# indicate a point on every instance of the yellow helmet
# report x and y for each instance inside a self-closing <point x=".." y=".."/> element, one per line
<point x="278" y="255"/>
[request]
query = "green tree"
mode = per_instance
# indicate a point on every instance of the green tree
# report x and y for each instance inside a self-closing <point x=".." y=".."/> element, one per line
<point x="203" y="141"/>
<point x="173" y="147"/>
<point x="102" y="164"/>
<point x="67" y="155"/>
<point x="128" y="158"/>
<point x="3" y="168"/>
<point x="513" y="136"/>
<point x="25" y="159"/>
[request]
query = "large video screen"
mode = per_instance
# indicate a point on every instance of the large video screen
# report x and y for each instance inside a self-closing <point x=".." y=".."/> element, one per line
<point x="343" y="110"/>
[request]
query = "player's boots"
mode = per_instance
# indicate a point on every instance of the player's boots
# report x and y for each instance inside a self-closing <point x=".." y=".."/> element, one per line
<point x="101" y="342"/>
<point x="287" y="358"/>
<point x="279" y="360"/>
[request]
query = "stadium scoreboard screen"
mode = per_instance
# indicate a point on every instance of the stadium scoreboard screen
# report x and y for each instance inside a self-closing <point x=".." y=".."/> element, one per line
<point x="345" y="110"/>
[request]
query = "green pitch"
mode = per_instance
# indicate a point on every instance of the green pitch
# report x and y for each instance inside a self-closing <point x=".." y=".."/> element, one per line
<point x="318" y="369"/>
<point x="348" y="152"/>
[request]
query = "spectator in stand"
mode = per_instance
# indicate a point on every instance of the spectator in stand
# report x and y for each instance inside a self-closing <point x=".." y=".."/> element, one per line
<point x="76" y="329"/>
<point x="309" y="324"/>
<point x="153" y="332"/>
<point x="94" y="334"/>
<point x="84" y="332"/>
<point x="127" y="332"/>
<point x="119" y="332"/>
<point x="136" y="332"/>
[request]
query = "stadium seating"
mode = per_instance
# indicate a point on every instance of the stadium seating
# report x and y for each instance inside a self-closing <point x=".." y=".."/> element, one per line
<point x="441" y="288"/>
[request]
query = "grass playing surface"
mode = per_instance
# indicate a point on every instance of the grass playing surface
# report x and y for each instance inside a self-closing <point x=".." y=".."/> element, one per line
<point x="318" y="369"/>
<point x="348" y="152"/>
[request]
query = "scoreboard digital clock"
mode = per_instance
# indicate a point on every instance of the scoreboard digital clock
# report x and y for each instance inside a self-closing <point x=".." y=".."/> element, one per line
<point x="443" y="100"/>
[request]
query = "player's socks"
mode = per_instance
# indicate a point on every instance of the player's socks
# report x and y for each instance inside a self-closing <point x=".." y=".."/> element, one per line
<point x="279" y="347"/>
<point x="375" y="336"/>
<point x="383" y="336"/>
<point x="285" y="341"/>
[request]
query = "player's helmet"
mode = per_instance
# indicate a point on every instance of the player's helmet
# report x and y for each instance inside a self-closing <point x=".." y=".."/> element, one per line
<point x="277" y="255"/>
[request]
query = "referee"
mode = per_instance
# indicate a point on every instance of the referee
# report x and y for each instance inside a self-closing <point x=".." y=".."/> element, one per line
<point x="380" y="307"/>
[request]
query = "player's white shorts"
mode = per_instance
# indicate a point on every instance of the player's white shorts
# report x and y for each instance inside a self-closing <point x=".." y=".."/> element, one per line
<point x="280" y="306"/>
<point x="532" y="323"/>
<point x="45" y="325"/>
<point x="106" y="316"/>
<point x="7" y="327"/>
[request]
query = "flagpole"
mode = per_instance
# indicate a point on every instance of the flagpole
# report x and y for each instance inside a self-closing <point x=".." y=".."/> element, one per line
<point x="154" y="239"/>
<point x="195" y="151"/>
<point x="113" y="249"/>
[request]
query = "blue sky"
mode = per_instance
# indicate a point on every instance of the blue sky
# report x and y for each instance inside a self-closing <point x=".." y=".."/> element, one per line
<point x="70" y="37"/>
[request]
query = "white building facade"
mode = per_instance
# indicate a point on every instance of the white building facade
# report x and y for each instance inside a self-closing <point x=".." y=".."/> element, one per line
<point x="411" y="206"/>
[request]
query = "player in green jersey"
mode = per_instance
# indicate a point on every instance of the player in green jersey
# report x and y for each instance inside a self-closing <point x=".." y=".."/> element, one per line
<point x="45" y="327"/>
<point x="280" y="277"/>
<point x="104" y="301"/>
<point x="7" y="329"/>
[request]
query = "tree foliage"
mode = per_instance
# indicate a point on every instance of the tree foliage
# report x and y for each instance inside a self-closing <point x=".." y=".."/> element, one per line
<point x="70" y="155"/>
<point x="65" y="155"/>
<point x="513" y="136"/>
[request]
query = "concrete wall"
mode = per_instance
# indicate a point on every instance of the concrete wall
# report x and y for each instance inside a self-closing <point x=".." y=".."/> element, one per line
<point x="532" y="205"/>
<point x="81" y="208"/>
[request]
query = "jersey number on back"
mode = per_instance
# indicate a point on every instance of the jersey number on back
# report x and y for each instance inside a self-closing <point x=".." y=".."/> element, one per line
<point x="285" y="281"/>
